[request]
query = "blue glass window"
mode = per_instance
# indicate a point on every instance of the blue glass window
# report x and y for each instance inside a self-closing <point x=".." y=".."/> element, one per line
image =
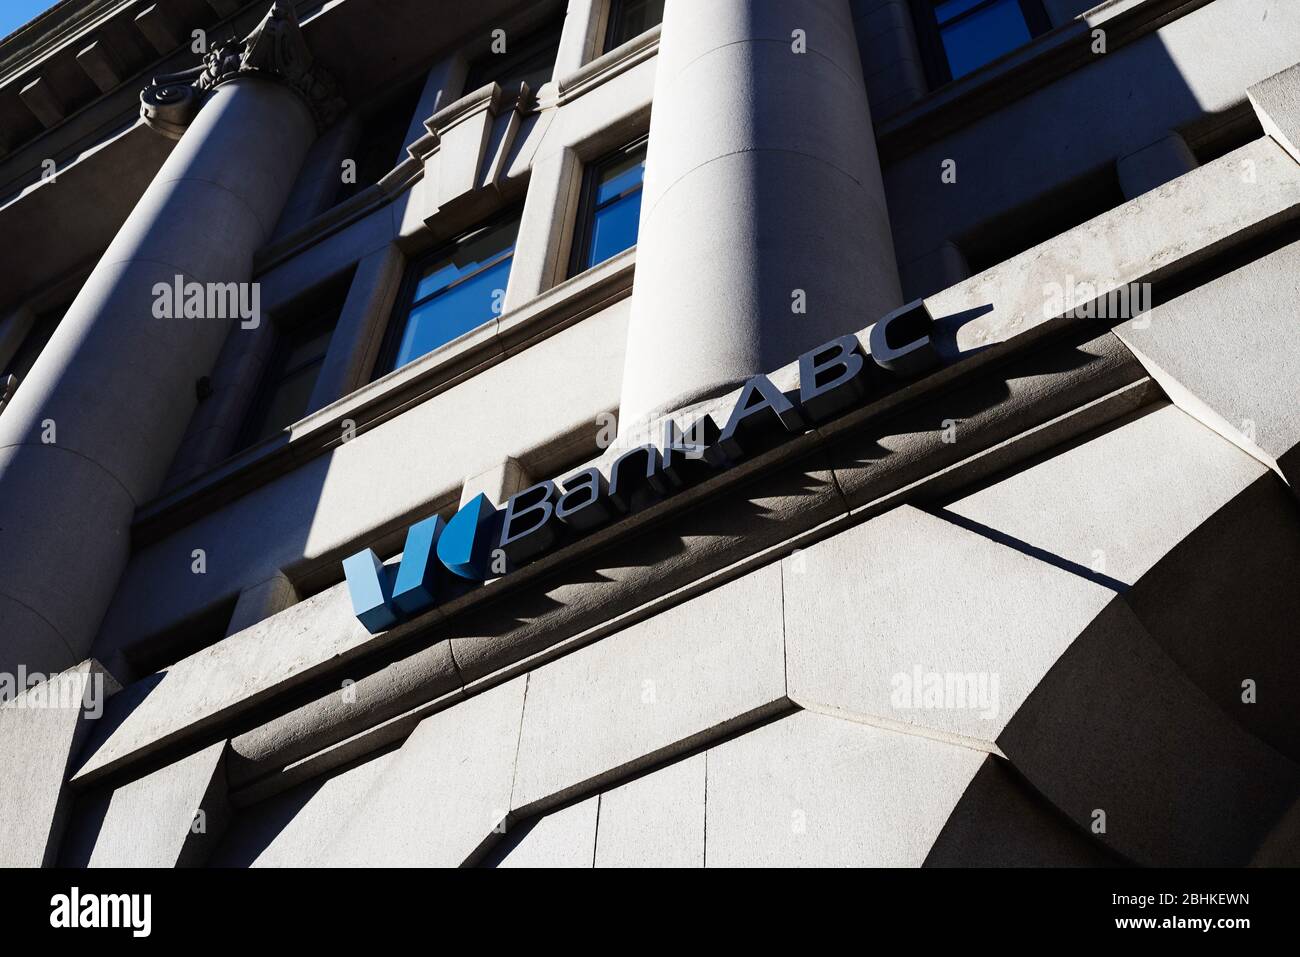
<point x="457" y="289"/>
<point x="612" y="207"/>
<point x="971" y="33"/>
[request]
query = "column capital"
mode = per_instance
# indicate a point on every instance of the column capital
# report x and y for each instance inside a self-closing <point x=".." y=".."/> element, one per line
<point x="276" y="50"/>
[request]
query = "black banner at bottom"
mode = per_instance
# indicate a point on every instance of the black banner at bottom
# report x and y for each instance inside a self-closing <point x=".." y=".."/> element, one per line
<point x="215" y="907"/>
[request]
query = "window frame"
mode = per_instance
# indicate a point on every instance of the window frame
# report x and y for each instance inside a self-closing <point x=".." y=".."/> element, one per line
<point x="287" y="337"/>
<point x="406" y="303"/>
<point x="407" y="93"/>
<point x="929" y="35"/>
<point x="488" y="65"/>
<point x="584" y="228"/>
<point x="616" y="8"/>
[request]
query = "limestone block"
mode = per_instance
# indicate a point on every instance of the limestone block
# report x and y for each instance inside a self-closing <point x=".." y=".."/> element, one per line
<point x="294" y="828"/>
<point x="1117" y="735"/>
<point x="1226" y="352"/>
<point x="1117" y="503"/>
<point x="160" y="27"/>
<point x="1277" y="103"/>
<point x="874" y="613"/>
<point x="44" y="101"/>
<point x="497" y="483"/>
<point x="579" y="38"/>
<point x="564" y="838"/>
<point x="1188" y="527"/>
<point x="664" y="684"/>
<point x="97" y="61"/>
<point x="878" y="457"/>
<point x="1127" y="244"/>
<point x="637" y="569"/>
<point x="982" y="639"/>
<point x="359" y="703"/>
<point x="812" y="790"/>
<point x="229" y="677"/>
<point x="171" y="817"/>
<point x="41" y="731"/>
<point x="445" y="795"/>
<point x="463" y="129"/>
<point x="1143" y="170"/>
<point x="260" y="602"/>
<point x="656" y="820"/>
<point x="546" y="228"/>
<point x="1001" y="822"/>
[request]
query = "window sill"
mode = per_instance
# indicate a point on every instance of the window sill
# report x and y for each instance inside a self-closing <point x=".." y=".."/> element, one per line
<point x="374" y="403"/>
<point x="602" y="69"/>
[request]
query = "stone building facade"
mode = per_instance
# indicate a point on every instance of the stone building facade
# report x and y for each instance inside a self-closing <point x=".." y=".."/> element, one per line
<point x="929" y="364"/>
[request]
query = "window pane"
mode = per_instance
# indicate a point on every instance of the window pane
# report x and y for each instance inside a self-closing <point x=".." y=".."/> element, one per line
<point x="615" y="229"/>
<point x="617" y="178"/>
<point x="452" y="313"/>
<point x="984" y="36"/>
<point x="615" y="213"/>
<point x="469" y="257"/>
<point x="944" y="12"/>
<point x="633" y="18"/>
<point x="287" y="403"/>
<point x="308" y="350"/>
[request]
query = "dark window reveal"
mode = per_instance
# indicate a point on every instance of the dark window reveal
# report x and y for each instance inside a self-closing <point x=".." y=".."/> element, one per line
<point x="32" y="345"/>
<point x="286" y="387"/>
<point x="960" y="36"/>
<point x="383" y="134"/>
<point x="631" y="18"/>
<point x="531" y="61"/>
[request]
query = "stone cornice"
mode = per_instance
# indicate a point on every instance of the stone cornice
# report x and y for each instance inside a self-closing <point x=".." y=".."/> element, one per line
<point x="275" y="50"/>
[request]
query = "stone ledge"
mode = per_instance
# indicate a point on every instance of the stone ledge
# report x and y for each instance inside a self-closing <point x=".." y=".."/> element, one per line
<point x="603" y="583"/>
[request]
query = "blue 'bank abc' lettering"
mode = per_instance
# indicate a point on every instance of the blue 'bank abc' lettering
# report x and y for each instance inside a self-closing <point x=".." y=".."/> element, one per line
<point x="441" y="558"/>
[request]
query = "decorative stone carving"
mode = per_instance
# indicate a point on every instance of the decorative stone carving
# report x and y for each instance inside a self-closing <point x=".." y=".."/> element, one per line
<point x="275" y="50"/>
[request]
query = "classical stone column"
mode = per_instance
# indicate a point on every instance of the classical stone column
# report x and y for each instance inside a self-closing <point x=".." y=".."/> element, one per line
<point x="763" y="223"/>
<point x="89" y="436"/>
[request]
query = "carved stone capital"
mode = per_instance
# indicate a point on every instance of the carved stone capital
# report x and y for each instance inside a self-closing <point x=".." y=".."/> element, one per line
<point x="275" y="50"/>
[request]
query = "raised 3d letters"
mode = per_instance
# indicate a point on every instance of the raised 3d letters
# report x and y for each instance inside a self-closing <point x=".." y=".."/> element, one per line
<point x="901" y="343"/>
<point x="691" y="456"/>
<point x="414" y="589"/>
<point x="761" y="418"/>
<point x="465" y="547"/>
<point x="530" y="526"/>
<point x="635" y="480"/>
<point x="833" y="378"/>
<point x="585" y="504"/>
<point x="369" y="588"/>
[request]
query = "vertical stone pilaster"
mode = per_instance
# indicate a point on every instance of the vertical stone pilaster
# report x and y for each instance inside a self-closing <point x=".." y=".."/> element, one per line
<point x="580" y="38"/>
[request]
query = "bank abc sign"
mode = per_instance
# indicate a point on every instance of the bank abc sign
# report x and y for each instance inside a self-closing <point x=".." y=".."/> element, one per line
<point x="480" y="539"/>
